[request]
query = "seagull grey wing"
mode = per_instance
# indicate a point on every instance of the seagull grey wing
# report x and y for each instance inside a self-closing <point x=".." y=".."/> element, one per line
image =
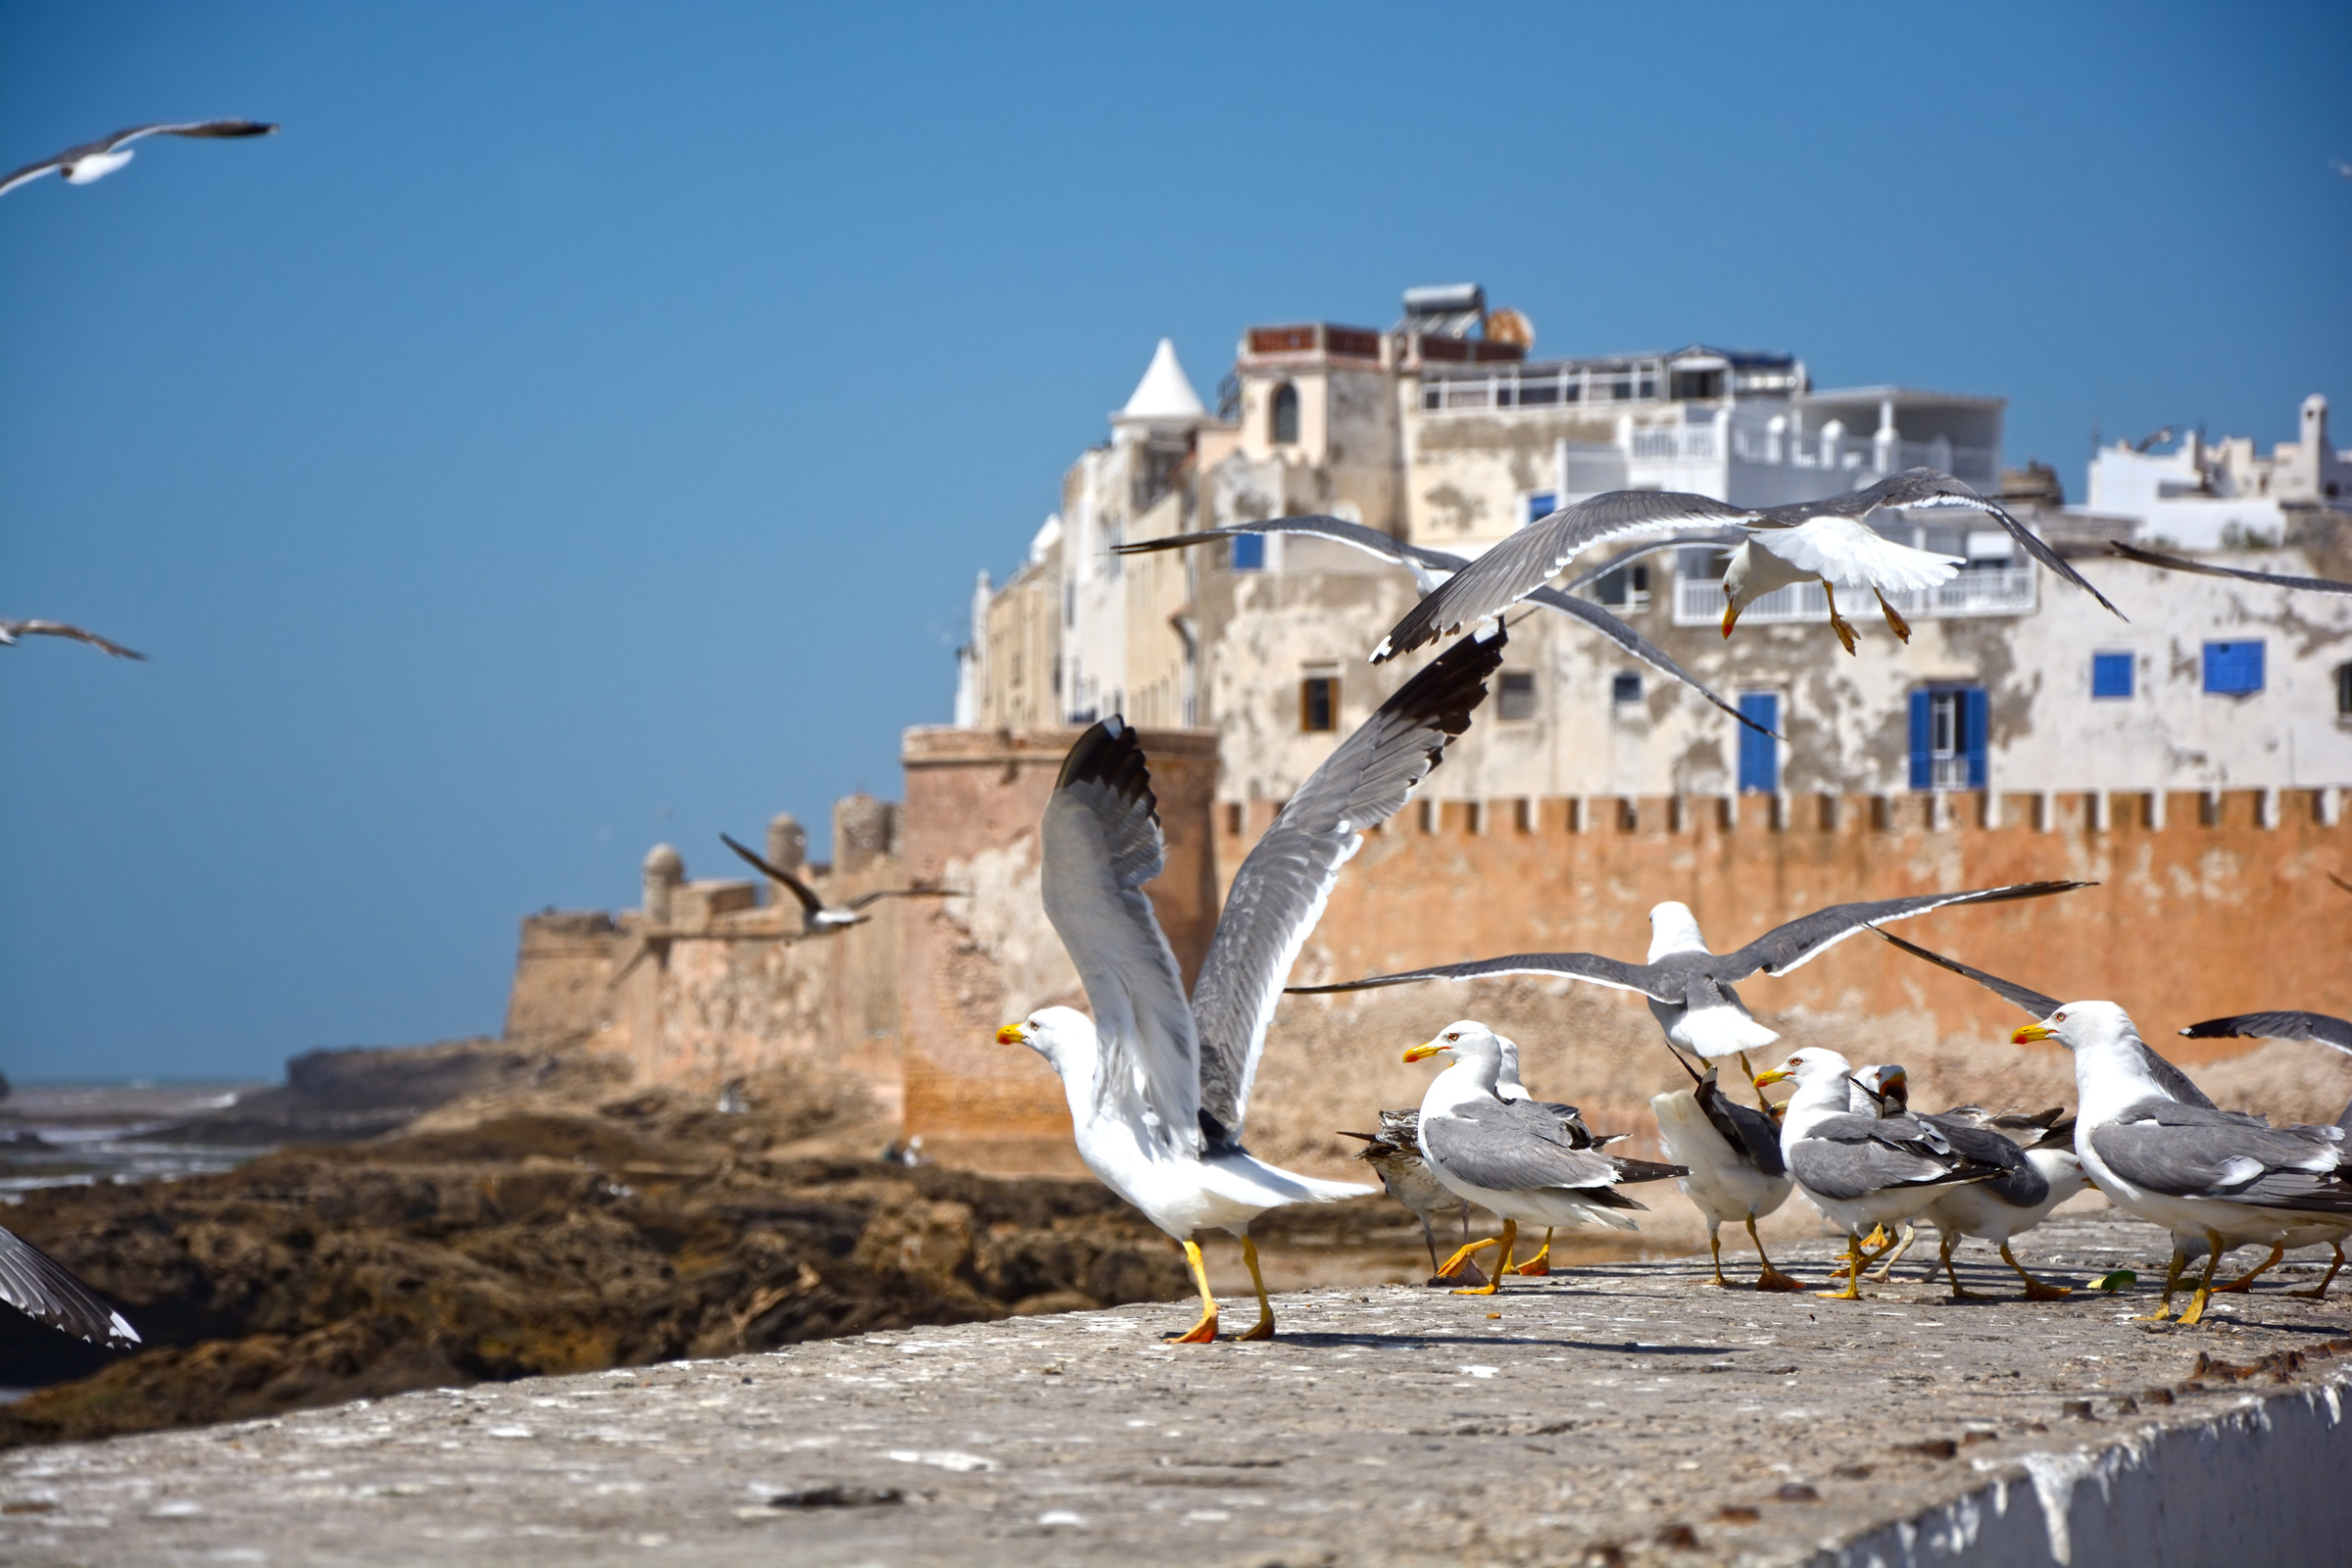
<point x="1719" y="538"/>
<point x="60" y="628"/>
<point x="1932" y="487"/>
<point x="1529" y="558"/>
<point x="2033" y="1003"/>
<point x="1371" y="541"/>
<point x="1750" y="1133"/>
<point x="799" y="889"/>
<point x="879" y="894"/>
<point x="2151" y="558"/>
<point x="32" y="171"/>
<point x="1640" y="646"/>
<point x="2230" y="1159"/>
<point x="2336" y="1032"/>
<point x="1507" y="1150"/>
<point x="1846" y="1158"/>
<point x="40" y="1287"/>
<point x="194" y="128"/>
<point x="1615" y="973"/>
<point x="1279" y="893"/>
<point x="2018" y="1183"/>
<point x="1101" y="844"/>
<point x="1801" y="941"/>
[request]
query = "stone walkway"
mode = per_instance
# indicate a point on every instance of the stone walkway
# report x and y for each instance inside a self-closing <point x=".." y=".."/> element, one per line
<point x="1620" y="1414"/>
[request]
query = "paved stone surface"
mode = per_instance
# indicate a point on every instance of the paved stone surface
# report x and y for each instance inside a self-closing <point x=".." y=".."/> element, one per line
<point x="1622" y="1413"/>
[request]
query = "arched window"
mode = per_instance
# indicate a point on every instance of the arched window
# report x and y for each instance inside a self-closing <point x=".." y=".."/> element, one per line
<point x="1284" y="417"/>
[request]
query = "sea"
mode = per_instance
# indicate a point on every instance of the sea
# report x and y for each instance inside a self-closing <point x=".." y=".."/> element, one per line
<point x="75" y="1134"/>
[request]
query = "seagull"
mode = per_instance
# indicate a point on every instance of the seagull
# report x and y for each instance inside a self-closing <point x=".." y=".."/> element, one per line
<point x="2164" y="563"/>
<point x="1395" y="1154"/>
<point x="1827" y="541"/>
<point x="1158" y="1086"/>
<point x="95" y="160"/>
<point x="817" y="917"/>
<point x="1513" y="1158"/>
<point x="43" y="1289"/>
<point x="2037" y="1177"/>
<point x="11" y="630"/>
<point x="1734" y="1169"/>
<point x="1689" y="988"/>
<point x="1861" y="1171"/>
<point x="1430" y="568"/>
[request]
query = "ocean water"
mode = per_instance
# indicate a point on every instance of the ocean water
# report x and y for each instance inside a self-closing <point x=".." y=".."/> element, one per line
<point x="62" y="1134"/>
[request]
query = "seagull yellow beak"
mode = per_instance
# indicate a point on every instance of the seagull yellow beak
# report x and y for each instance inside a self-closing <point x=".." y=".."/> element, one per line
<point x="1012" y="1033"/>
<point x="1731" y="617"/>
<point x="2033" y="1032"/>
<point x="1778" y="1075"/>
<point x="1424" y="1053"/>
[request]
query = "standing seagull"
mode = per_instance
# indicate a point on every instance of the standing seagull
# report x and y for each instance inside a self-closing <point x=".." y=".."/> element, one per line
<point x="1513" y="1158"/>
<point x="1158" y="1086"/>
<point x="817" y="917"/>
<point x="1736" y="1169"/>
<point x="1431" y="567"/>
<point x="95" y="160"/>
<point x="1689" y="989"/>
<point x="1827" y="541"/>
<point x="2327" y="1031"/>
<point x="41" y="1288"/>
<point x="11" y="630"/>
<point x="2037" y="1176"/>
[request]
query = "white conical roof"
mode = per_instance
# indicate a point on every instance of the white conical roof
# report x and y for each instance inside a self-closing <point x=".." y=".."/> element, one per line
<point x="1164" y="392"/>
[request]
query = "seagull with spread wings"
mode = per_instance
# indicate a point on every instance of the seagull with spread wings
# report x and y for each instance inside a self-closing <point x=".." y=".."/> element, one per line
<point x="819" y="918"/>
<point x="2204" y="568"/>
<point x="1430" y="568"/>
<point x="1828" y="541"/>
<point x="95" y="160"/>
<point x="1734" y="1170"/>
<point x="46" y="1291"/>
<point x="1689" y="988"/>
<point x="1159" y="1084"/>
<point x="12" y="630"/>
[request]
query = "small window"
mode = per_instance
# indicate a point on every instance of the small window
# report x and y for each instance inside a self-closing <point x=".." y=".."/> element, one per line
<point x="1625" y="687"/>
<point x="1248" y="552"/>
<point x="1517" y="698"/>
<point x="2343" y="691"/>
<point x="2110" y="675"/>
<point x="1319" y="704"/>
<point x="2234" y="669"/>
<point x="1759" y="754"/>
<point x="1542" y="503"/>
<point x="1283" y="417"/>
<point x="1949" y="738"/>
<point x="1626" y="588"/>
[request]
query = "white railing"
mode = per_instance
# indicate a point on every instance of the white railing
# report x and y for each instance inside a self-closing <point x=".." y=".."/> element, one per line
<point x="1510" y="387"/>
<point x="1858" y="455"/>
<point x="1996" y="591"/>
<point x="1665" y="443"/>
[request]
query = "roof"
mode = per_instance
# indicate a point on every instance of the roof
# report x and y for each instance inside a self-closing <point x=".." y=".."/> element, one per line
<point x="1164" y="393"/>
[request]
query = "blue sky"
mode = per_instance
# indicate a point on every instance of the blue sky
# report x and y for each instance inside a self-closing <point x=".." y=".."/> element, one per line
<point x="582" y="425"/>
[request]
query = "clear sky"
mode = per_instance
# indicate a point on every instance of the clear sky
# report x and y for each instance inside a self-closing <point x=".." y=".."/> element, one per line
<point x="582" y="425"/>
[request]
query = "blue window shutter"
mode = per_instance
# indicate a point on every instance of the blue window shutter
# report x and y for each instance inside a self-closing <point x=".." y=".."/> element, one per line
<point x="1921" y="769"/>
<point x="1542" y="503"/>
<point x="2234" y="669"/>
<point x="1978" y="718"/>
<point x="1759" y="754"/>
<point x="2111" y="674"/>
<point x="1248" y="552"/>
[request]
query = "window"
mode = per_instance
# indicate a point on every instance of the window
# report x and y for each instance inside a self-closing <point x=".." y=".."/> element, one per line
<point x="1319" y="704"/>
<point x="2111" y="674"/>
<point x="1703" y="385"/>
<point x="1542" y="503"/>
<point x="1625" y="687"/>
<point x="2234" y="669"/>
<point x="1759" y="754"/>
<point x="1283" y="417"/>
<point x="1517" y="698"/>
<point x="1626" y="588"/>
<point x="1248" y="552"/>
<point x="1948" y="725"/>
<point x="2343" y="691"/>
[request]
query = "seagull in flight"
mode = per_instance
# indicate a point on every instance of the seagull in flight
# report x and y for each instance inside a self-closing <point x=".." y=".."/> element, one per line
<point x="2164" y="563"/>
<point x="95" y="160"/>
<point x="1430" y="568"/>
<point x="45" y="1290"/>
<point x="11" y="630"/>
<point x="819" y="918"/>
<point x="1828" y="541"/>
<point x="1158" y="1083"/>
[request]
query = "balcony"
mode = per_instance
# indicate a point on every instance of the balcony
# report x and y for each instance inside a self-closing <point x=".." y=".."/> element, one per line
<point x="1858" y="456"/>
<point x="1979" y="591"/>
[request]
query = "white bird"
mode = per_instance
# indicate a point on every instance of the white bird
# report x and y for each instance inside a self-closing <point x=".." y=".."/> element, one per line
<point x="95" y="160"/>
<point x="1158" y="1086"/>
<point x="11" y="630"/>
<point x="817" y="917"/>
<point x="45" y="1290"/>
<point x="1689" y="988"/>
<point x="1736" y="1173"/>
<point x="1829" y="540"/>
<point x="1862" y="1172"/>
<point x="1513" y="1158"/>
<point x="2039" y="1175"/>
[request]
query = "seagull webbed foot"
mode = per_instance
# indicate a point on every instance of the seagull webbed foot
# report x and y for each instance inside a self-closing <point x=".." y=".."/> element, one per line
<point x="1772" y="1278"/>
<point x="1453" y="1265"/>
<point x="2035" y="1289"/>
<point x="1894" y="621"/>
<point x="1540" y="1265"/>
<point x="1204" y="1332"/>
<point x="2319" y="1291"/>
<point x="2244" y="1282"/>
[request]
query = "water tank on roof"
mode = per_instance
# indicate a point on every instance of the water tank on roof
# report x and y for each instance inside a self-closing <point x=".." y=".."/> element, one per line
<point x="1445" y="299"/>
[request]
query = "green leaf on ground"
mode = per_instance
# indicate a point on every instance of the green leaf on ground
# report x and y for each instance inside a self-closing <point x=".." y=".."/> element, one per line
<point x="2111" y="1283"/>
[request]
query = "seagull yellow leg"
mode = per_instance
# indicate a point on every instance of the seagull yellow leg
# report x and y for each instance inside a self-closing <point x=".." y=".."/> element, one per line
<point x="1895" y="622"/>
<point x="1541" y="1265"/>
<point x="1509" y="1239"/>
<point x="1204" y="1332"/>
<point x="1853" y="1272"/>
<point x="2246" y="1281"/>
<point x="1960" y="1292"/>
<point x="1838" y="624"/>
<point x="1715" y="1247"/>
<point x="2196" y="1303"/>
<point x="1263" y="1329"/>
<point x="1468" y="1250"/>
<point x="2035" y="1289"/>
<point x="2320" y="1291"/>
<point x="1762" y="1100"/>
<point x="1772" y="1278"/>
<point x="1887" y="1269"/>
<point x="2171" y="1282"/>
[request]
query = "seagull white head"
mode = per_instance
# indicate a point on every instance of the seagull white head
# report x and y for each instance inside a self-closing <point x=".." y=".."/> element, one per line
<point x="1673" y="929"/>
<point x="2081" y="1025"/>
<point x="1468" y="1041"/>
<point x="1886" y="1084"/>
<point x="1820" y="1075"/>
<point x="1064" y="1036"/>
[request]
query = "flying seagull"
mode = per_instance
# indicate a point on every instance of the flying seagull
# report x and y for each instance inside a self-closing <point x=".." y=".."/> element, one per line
<point x="1735" y="1172"/>
<point x="1159" y="1085"/>
<point x="11" y="630"/>
<point x="1689" y="988"/>
<point x="1430" y="568"/>
<point x="2164" y="563"/>
<point x="817" y="917"/>
<point x="1513" y="1158"/>
<point x="1827" y="540"/>
<point x="2327" y="1031"/>
<point x="41" y="1288"/>
<point x="95" y="160"/>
